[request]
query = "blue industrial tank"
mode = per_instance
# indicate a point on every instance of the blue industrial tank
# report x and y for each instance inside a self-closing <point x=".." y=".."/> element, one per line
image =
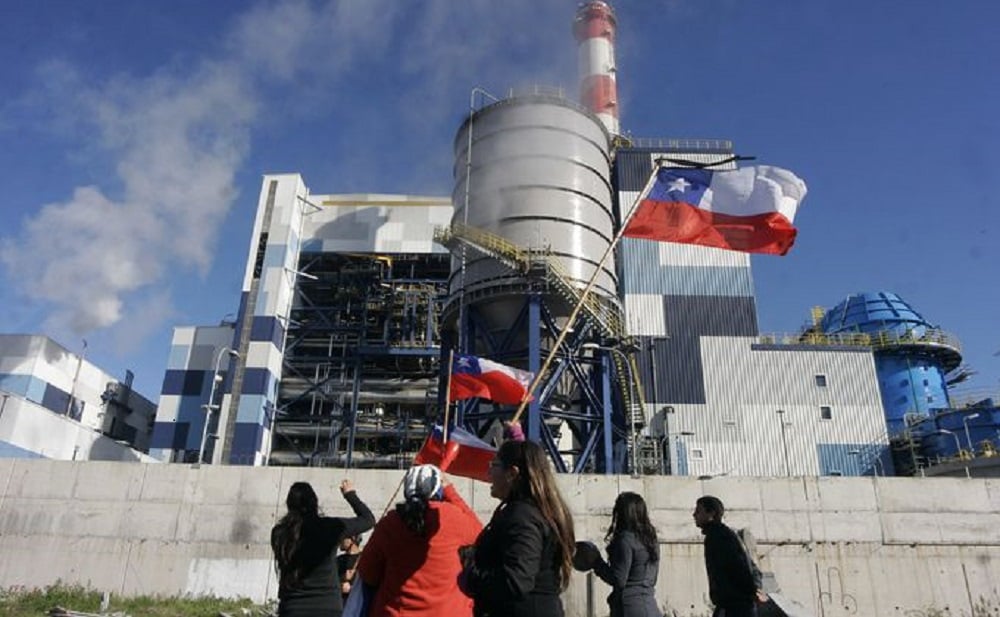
<point x="912" y="356"/>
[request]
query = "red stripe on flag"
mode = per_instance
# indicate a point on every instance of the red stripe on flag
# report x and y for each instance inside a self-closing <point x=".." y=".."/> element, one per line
<point x="668" y="221"/>
<point x="455" y="458"/>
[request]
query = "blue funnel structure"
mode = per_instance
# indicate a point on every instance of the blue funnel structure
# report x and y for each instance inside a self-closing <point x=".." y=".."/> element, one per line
<point x="912" y="357"/>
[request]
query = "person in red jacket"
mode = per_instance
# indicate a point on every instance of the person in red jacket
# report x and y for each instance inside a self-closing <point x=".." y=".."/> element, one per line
<point x="412" y="557"/>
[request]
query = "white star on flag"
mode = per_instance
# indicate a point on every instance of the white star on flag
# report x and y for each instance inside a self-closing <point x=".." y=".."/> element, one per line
<point x="463" y="361"/>
<point x="680" y="185"/>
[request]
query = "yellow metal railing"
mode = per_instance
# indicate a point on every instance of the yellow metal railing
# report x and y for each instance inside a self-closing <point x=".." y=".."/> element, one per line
<point x="875" y="340"/>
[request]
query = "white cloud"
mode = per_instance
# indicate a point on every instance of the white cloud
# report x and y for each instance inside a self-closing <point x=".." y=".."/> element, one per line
<point x="178" y="141"/>
<point x="175" y="139"/>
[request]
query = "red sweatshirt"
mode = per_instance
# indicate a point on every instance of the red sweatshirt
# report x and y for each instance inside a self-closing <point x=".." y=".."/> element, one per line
<point x="418" y="576"/>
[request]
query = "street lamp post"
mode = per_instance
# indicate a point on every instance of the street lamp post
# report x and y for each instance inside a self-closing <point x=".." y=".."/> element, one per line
<point x="784" y="441"/>
<point x="216" y="378"/>
<point x="633" y="436"/>
<point x="968" y="438"/>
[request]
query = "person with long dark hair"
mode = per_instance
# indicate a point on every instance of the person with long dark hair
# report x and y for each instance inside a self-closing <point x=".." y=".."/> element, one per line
<point x="412" y="557"/>
<point x="633" y="559"/>
<point x="522" y="560"/>
<point x="304" y="544"/>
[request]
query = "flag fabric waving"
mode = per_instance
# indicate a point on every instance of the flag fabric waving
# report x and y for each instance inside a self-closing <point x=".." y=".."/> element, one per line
<point x="749" y="209"/>
<point x="463" y="454"/>
<point x="472" y="376"/>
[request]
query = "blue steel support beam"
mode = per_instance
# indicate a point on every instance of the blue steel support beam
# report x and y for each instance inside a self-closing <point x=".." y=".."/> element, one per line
<point x="534" y="363"/>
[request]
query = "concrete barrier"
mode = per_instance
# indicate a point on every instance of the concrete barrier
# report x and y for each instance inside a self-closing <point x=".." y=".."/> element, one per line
<point x="839" y="546"/>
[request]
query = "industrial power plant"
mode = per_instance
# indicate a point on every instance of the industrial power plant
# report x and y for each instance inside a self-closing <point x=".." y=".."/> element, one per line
<point x="353" y="303"/>
<point x="650" y="361"/>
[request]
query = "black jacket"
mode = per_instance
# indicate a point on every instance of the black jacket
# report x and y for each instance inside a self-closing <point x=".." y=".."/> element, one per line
<point x="631" y="571"/>
<point x="516" y="567"/>
<point x="318" y="593"/>
<point x="730" y="580"/>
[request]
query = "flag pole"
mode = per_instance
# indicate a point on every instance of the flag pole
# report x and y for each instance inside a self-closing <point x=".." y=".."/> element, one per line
<point x="583" y="296"/>
<point x="447" y="395"/>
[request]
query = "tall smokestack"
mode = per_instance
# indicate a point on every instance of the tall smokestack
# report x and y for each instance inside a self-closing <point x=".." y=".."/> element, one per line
<point x="594" y="29"/>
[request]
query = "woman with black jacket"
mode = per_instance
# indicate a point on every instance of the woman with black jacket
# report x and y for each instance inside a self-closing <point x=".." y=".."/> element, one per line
<point x="304" y="544"/>
<point x="523" y="558"/>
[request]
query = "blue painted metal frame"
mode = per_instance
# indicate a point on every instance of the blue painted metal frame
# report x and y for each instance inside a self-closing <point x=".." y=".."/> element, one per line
<point x="591" y="424"/>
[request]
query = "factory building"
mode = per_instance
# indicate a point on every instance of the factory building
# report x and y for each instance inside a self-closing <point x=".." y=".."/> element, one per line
<point x="352" y="305"/>
<point x="55" y="404"/>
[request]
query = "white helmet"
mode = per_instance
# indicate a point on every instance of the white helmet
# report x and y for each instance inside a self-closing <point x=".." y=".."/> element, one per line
<point x="422" y="482"/>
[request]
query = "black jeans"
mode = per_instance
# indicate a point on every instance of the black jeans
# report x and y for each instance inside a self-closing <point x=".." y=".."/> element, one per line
<point x="750" y="610"/>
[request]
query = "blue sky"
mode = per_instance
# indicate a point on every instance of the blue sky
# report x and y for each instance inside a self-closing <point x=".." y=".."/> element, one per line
<point x="133" y="137"/>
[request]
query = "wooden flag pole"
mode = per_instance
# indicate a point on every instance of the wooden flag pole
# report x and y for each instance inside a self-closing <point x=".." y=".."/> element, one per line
<point x="583" y="296"/>
<point x="447" y="396"/>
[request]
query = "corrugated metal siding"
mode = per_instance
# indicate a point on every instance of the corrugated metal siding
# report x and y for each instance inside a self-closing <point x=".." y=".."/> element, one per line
<point x="739" y="430"/>
<point x="677" y="269"/>
<point x="670" y="361"/>
<point x="710" y="316"/>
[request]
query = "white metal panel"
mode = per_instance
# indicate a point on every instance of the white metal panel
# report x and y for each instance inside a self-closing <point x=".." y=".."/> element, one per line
<point x="644" y="315"/>
<point x="739" y="429"/>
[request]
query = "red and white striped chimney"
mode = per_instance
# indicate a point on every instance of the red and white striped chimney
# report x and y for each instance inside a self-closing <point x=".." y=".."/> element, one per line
<point x="594" y="28"/>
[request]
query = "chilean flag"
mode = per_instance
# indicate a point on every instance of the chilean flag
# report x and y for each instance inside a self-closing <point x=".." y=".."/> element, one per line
<point x="463" y="454"/>
<point x="472" y="377"/>
<point x="749" y="209"/>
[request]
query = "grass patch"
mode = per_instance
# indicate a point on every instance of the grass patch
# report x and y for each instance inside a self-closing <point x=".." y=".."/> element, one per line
<point x="20" y="602"/>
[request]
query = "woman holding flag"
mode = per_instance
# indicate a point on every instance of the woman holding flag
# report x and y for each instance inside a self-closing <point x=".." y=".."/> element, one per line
<point x="523" y="558"/>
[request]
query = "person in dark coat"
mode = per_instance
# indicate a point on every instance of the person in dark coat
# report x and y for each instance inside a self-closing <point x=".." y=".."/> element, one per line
<point x="304" y="544"/>
<point x="731" y="585"/>
<point x="522" y="560"/>
<point x="347" y="562"/>
<point x="633" y="559"/>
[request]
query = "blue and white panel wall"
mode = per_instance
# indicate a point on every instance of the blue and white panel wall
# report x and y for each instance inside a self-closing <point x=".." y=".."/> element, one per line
<point x="268" y="292"/>
<point x="373" y="223"/>
<point x="187" y="384"/>
<point x="674" y="294"/>
<point x="52" y="406"/>
<point x="776" y="410"/>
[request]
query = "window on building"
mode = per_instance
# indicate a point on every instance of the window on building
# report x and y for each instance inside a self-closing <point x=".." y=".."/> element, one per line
<point x="826" y="413"/>
<point x="836" y="472"/>
<point x="697" y="454"/>
<point x="820" y="381"/>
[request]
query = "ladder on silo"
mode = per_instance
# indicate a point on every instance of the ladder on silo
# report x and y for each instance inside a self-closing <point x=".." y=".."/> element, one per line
<point x="602" y="314"/>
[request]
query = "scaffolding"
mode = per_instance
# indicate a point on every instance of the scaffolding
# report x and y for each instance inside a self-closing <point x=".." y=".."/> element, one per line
<point x="359" y="381"/>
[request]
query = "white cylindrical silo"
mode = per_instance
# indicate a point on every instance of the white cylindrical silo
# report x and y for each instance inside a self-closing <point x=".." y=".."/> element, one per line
<point x="540" y="178"/>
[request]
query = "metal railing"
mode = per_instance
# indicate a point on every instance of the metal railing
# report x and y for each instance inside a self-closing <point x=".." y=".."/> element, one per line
<point x="875" y="340"/>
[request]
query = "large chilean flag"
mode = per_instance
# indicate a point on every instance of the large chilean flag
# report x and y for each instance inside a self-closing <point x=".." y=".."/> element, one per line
<point x="749" y="209"/>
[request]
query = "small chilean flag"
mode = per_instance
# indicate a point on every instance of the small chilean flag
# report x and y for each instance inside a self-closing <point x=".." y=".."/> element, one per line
<point x="749" y="209"/>
<point x="472" y="377"/>
<point x="463" y="454"/>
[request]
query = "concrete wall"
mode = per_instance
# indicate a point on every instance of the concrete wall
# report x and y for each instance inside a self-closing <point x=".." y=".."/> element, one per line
<point x="839" y="546"/>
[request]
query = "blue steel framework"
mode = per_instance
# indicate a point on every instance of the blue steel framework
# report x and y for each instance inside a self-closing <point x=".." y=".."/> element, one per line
<point x="575" y="393"/>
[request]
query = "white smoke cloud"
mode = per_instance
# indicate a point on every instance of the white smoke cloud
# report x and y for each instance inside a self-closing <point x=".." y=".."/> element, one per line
<point x="168" y="145"/>
<point x="177" y="141"/>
